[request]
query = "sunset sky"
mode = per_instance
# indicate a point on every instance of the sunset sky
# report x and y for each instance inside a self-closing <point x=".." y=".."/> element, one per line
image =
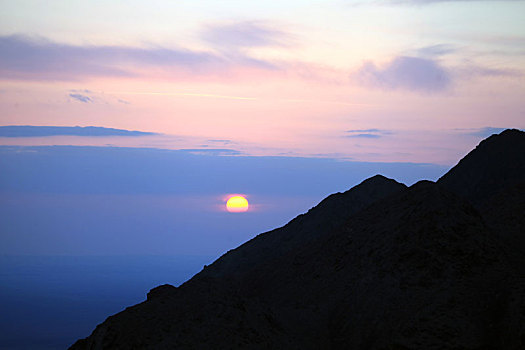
<point x="126" y="125"/>
<point x="391" y="81"/>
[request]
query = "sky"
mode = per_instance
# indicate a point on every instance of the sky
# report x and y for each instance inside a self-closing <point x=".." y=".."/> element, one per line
<point x="124" y="118"/>
<point x="405" y="80"/>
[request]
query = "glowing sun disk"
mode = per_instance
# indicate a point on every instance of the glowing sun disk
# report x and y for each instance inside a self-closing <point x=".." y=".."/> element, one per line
<point x="237" y="204"/>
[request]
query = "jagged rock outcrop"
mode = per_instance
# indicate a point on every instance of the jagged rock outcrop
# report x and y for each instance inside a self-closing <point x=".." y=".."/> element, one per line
<point x="381" y="266"/>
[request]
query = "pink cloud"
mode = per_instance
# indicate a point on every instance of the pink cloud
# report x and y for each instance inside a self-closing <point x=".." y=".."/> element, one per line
<point x="245" y="34"/>
<point x="404" y="72"/>
<point x="24" y="58"/>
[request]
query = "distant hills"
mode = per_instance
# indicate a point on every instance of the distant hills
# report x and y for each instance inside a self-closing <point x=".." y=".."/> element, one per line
<point x="380" y="266"/>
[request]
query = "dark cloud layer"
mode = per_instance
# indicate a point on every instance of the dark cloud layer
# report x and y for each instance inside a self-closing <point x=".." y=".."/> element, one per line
<point x="44" y="131"/>
<point x="158" y="171"/>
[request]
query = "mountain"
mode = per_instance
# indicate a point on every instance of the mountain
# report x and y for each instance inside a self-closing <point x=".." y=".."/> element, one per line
<point x="492" y="177"/>
<point x="381" y="266"/>
<point x="328" y="215"/>
<point x="498" y="162"/>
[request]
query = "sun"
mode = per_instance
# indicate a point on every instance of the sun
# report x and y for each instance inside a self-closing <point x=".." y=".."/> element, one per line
<point x="237" y="204"/>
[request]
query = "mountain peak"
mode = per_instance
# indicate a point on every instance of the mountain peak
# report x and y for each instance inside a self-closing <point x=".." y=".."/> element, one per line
<point x="423" y="184"/>
<point x="497" y="162"/>
<point x="510" y="133"/>
<point x="377" y="177"/>
<point x="376" y="180"/>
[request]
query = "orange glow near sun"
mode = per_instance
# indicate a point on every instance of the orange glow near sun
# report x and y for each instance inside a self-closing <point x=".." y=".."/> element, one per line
<point x="237" y="204"/>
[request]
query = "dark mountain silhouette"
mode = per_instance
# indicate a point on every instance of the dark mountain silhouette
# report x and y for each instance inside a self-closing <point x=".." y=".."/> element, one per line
<point x="492" y="177"/>
<point x="381" y="266"/>
<point x="498" y="162"/>
<point x="328" y="215"/>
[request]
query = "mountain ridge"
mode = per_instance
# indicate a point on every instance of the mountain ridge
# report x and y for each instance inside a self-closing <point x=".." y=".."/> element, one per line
<point x="328" y="214"/>
<point x="497" y="162"/>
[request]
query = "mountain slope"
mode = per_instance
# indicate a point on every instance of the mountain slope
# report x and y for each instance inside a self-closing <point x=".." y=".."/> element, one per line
<point x="492" y="177"/>
<point x="428" y="275"/>
<point x="496" y="163"/>
<point x="380" y="266"/>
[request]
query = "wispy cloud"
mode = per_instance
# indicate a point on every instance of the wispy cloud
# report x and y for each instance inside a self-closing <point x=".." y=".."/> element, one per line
<point x="212" y="151"/>
<point x="405" y="72"/>
<point x="471" y="70"/>
<point x="45" y="131"/>
<point x="367" y="133"/>
<point x="436" y="50"/>
<point x="233" y="39"/>
<point x="188" y="94"/>
<point x="40" y="59"/>
<point x="81" y="98"/>
<point x="223" y="141"/>
<point x="245" y="34"/>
